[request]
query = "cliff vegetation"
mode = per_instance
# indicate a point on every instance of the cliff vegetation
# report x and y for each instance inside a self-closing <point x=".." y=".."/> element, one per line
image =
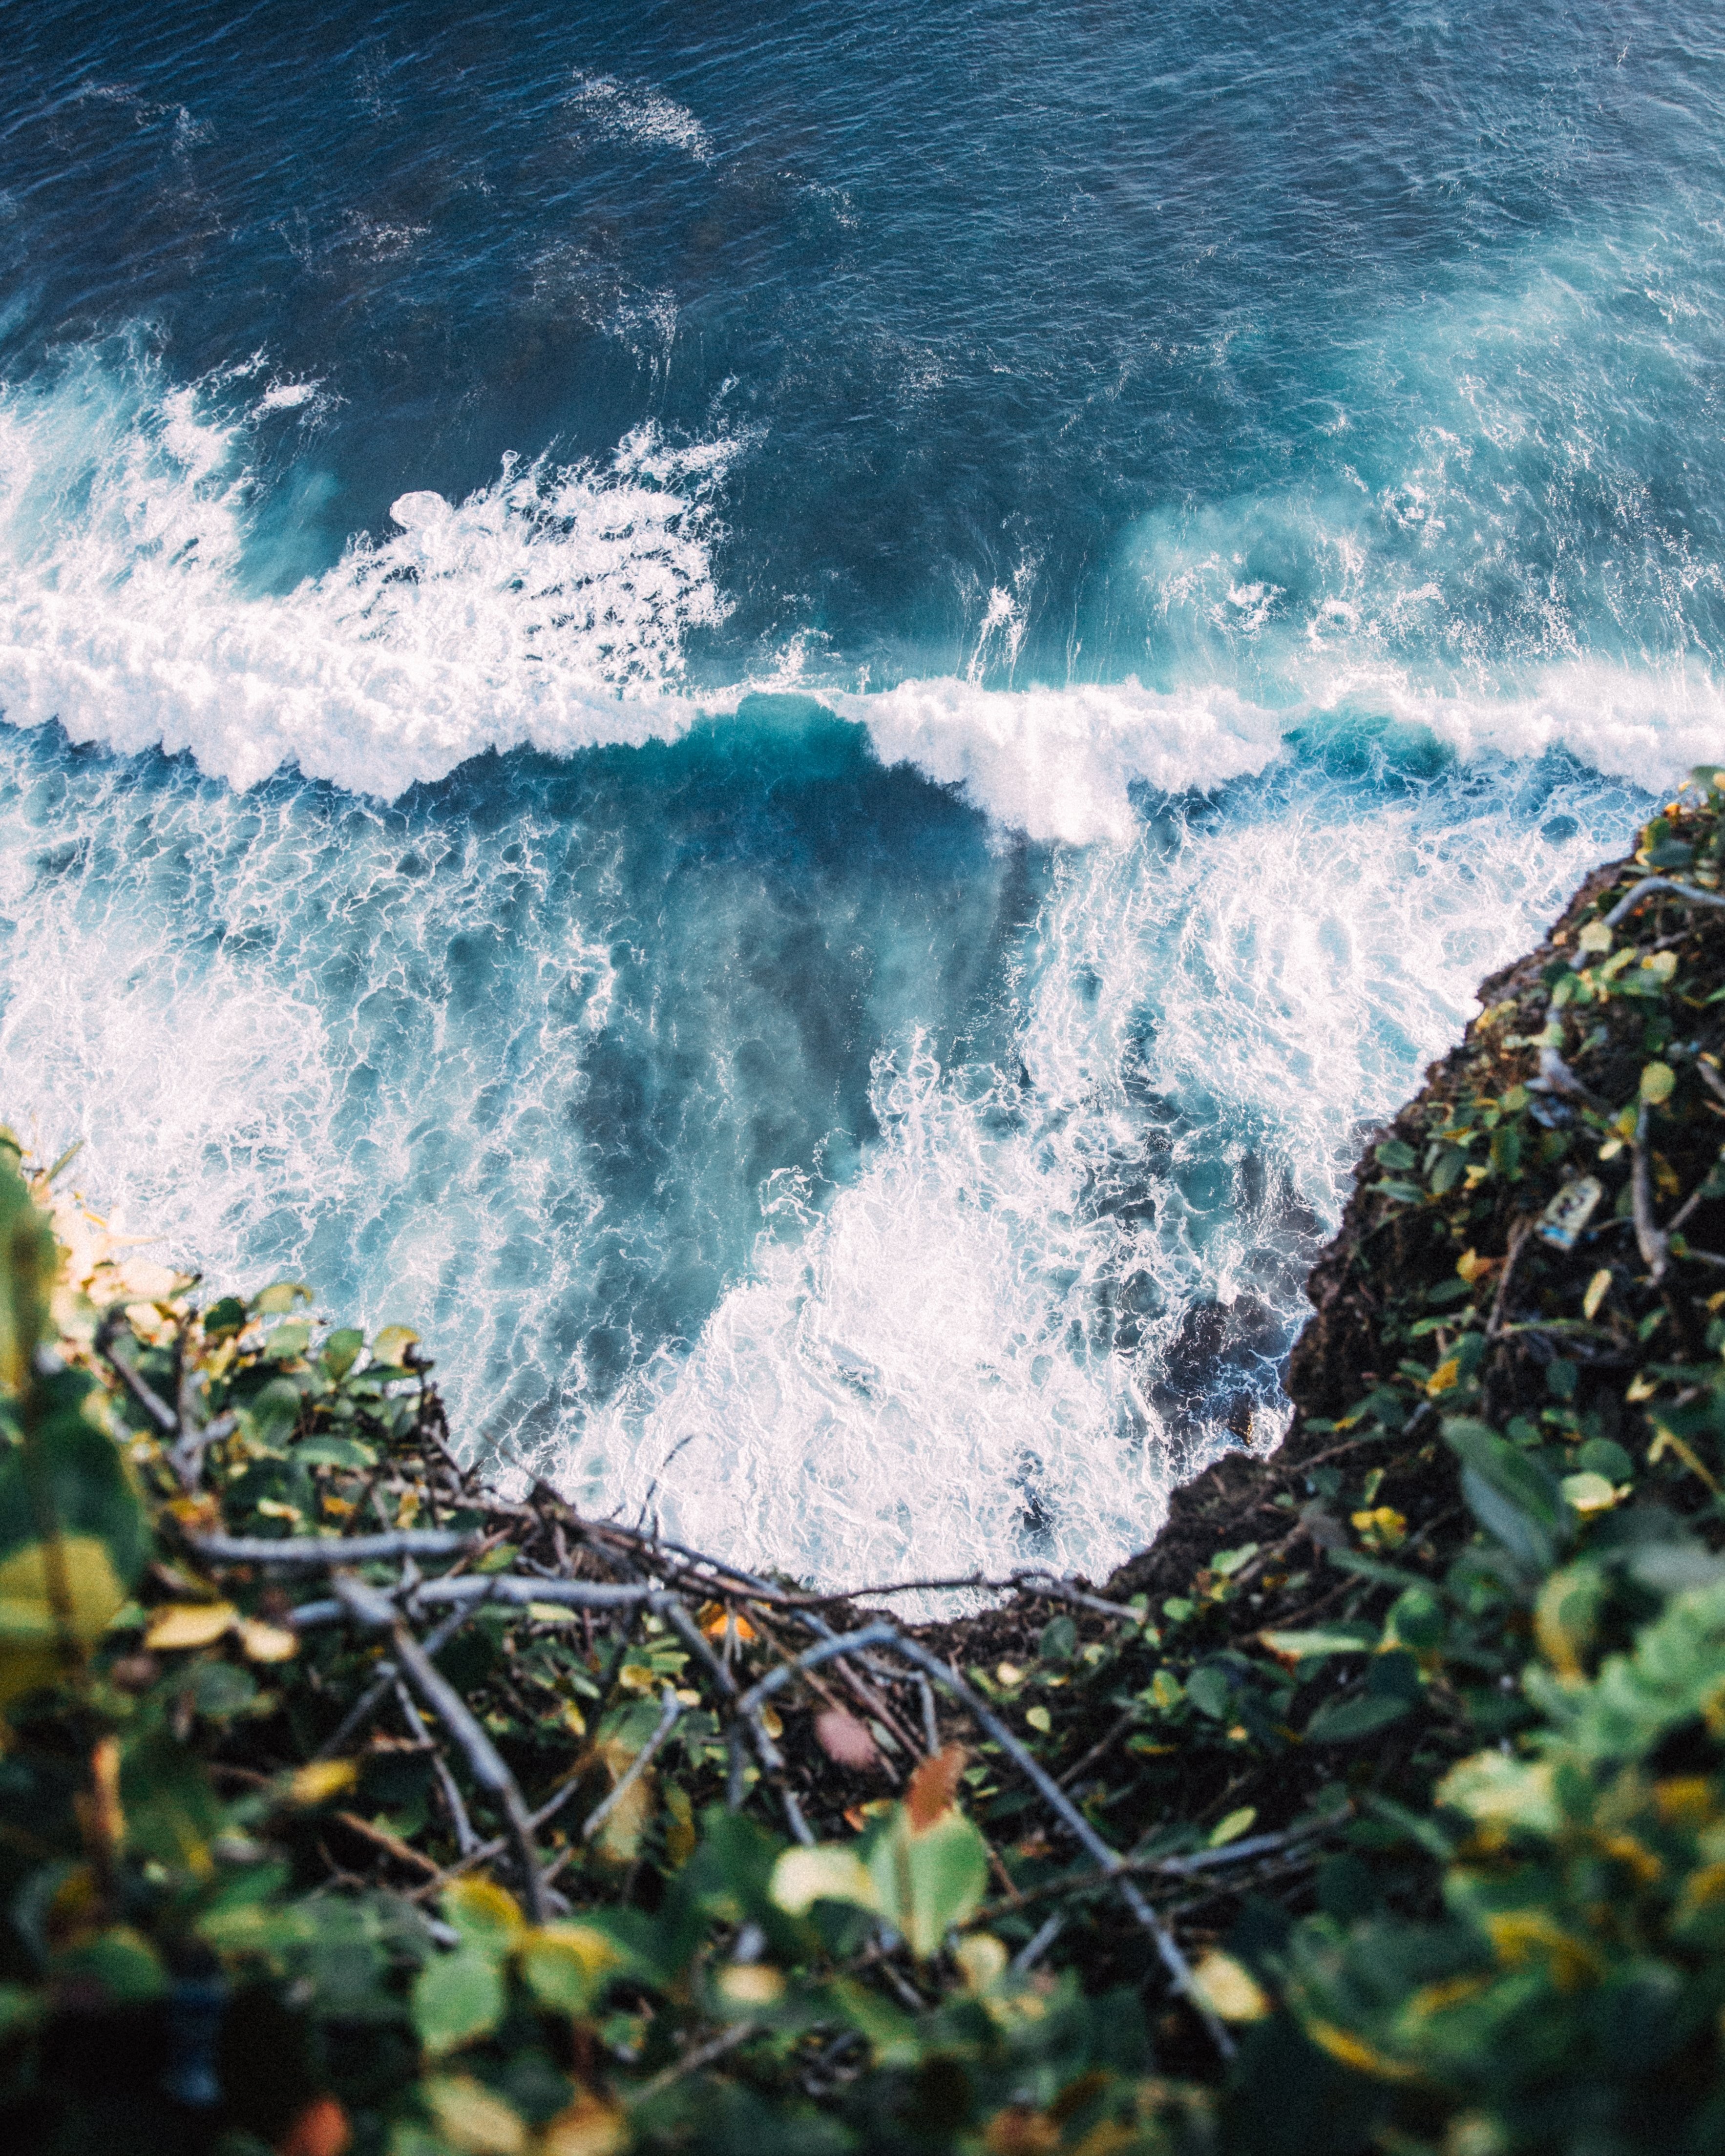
<point x="1379" y="1806"/>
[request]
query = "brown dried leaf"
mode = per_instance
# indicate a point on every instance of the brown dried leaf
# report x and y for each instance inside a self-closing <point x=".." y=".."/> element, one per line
<point x="845" y="1740"/>
<point x="320" y="2129"/>
<point x="933" y="1787"/>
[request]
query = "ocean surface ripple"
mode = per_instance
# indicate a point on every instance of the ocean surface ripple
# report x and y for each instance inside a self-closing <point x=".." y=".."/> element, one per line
<point x="789" y="721"/>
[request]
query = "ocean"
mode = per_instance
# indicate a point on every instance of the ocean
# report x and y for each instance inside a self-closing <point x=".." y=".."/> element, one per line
<point x="790" y="718"/>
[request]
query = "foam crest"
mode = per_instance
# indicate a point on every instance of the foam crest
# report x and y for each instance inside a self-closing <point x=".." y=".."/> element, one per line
<point x="634" y="112"/>
<point x="1059" y="763"/>
<point x="549" y="610"/>
<point x="1047" y="1297"/>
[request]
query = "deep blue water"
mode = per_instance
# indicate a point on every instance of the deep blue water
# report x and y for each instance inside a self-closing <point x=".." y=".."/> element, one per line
<point x="786" y="717"/>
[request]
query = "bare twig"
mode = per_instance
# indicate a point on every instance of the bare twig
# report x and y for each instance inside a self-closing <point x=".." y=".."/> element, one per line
<point x="691" y="2062"/>
<point x="1627" y="904"/>
<point x="1046" y="1787"/>
<point x="147" y="1397"/>
<point x="670" y="1709"/>
<point x="1111" y="1861"/>
<point x="309" y="1551"/>
<point x="441" y="1696"/>
<point x="1656" y="1253"/>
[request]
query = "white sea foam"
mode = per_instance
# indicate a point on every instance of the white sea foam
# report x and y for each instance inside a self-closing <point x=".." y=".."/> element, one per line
<point x="550" y="608"/>
<point x="972" y="1353"/>
<point x="636" y="112"/>
<point x="553" y="609"/>
<point x="974" y="1357"/>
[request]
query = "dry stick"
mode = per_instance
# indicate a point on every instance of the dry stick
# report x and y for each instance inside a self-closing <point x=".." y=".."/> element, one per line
<point x="703" y="2054"/>
<point x="312" y="1551"/>
<point x="1103" y="1745"/>
<point x="1152" y="1867"/>
<point x="1511" y="1258"/>
<point x="870" y="1702"/>
<point x="441" y="1696"/>
<point x="403" y="1853"/>
<point x="1709" y="1077"/>
<point x="147" y="1397"/>
<point x="1655" y="1255"/>
<point x="466" y="1840"/>
<point x="1111" y="1860"/>
<point x="487" y="1850"/>
<point x="670" y="1709"/>
<point x="1627" y="904"/>
<point x="375" y="1693"/>
<point x="767" y="1751"/>
<point x="1037" y="1583"/>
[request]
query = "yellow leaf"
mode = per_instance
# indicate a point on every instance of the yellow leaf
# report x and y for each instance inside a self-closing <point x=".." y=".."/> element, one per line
<point x="1657" y="1079"/>
<point x="1595" y="937"/>
<point x="566" y="1965"/>
<point x="322" y="1779"/>
<point x="1597" y="1288"/>
<point x="188" y="1625"/>
<point x="771" y="1723"/>
<point x="1354" y="2052"/>
<point x="268" y="1643"/>
<point x="803" y="1876"/>
<point x="1009" y="1674"/>
<point x="982" y="1958"/>
<point x="70" y="1584"/>
<point x="589" y="2127"/>
<point x="1446" y="1375"/>
<point x="392" y="1343"/>
<point x="1526" y="1937"/>
<point x="474" y="2120"/>
<point x="1473" y="1267"/>
<point x="679" y="1835"/>
<point x="620" y="1839"/>
<point x="1229" y="1987"/>
<point x="1588" y="1492"/>
<point x="750" y="1984"/>
<point x="1039" y="1718"/>
<point x="484" y="1911"/>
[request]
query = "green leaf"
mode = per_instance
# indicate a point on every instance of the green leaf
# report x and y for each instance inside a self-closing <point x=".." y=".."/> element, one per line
<point x="568" y="1966"/>
<point x="1343" y="1721"/>
<point x="341" y="1351"/>
<point x="1231" y="1828"/>
<point x="1395" y="1153"/>
<point x="58" y="1592"/>
<point x="1657" y="1079"/>
<point x="287" y="1340"/>
<point x="1210" y="1693"/>
<point x="279" y="1297"/>
<point x="29" y="1261"/>
<point x="926" y="1882"/>
<point x="1511" y="1496"/>
<point x="1313" y="1644"/>
<point x="119" y="1961"/>
<point x="21" y="2007"/>
<point x="457" y="1998"/>
<point x="334" y="1452"/>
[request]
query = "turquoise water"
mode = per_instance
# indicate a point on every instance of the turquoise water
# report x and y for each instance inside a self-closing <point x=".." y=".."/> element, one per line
<point x="789" y="718"/>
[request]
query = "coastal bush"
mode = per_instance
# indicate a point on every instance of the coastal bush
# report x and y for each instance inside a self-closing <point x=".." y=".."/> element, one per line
<point x="348" y="1803"/>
